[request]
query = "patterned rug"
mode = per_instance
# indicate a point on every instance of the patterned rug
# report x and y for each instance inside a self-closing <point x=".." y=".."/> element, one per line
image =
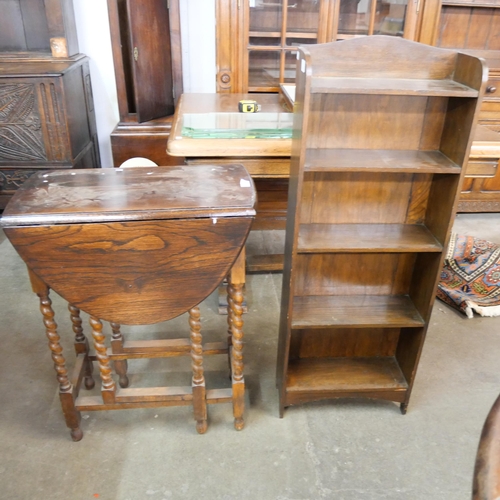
<point x="470" y="279"/>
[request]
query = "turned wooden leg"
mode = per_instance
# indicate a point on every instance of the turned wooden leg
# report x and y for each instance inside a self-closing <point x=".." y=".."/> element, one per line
<point x="229" y="333"/>
<point x="235" y="301"/>
<point x="71" y="415"/>
<point x="120" y="365"/>
<point x="81" y="345"/>
<point x="108" y="387"/>
<point x="199" y="394"/>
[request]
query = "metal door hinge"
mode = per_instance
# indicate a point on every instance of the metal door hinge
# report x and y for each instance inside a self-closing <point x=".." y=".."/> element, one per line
<point x="136" y="53"/>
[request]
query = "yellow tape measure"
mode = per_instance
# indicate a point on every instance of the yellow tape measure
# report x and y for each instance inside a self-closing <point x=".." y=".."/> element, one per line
<point x="247" y="106"/>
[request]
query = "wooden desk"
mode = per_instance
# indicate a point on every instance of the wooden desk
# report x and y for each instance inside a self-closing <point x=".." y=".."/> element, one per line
<point x="268" y="162"/>
<point x="136" y="246"/>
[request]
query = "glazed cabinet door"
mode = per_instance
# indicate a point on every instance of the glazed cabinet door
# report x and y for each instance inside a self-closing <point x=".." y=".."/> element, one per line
<point x="353" y="18"/>
<point x="273" y="32"/>
<point x="268" y="32"/>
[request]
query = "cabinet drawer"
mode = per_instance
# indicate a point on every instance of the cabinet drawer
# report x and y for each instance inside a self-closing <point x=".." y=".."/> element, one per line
<point x="493" y="88"/>
<point x="484" y="168"/>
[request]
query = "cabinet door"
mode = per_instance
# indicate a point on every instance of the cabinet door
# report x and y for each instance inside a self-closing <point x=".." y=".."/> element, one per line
<point x="273" y="32"/>
<point x="257" y="39"/>
<point x="151" y="58"/>
<point x="353" y="18"/>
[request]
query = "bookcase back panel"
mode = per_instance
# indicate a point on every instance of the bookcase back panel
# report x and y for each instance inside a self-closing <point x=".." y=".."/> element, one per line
<point x="382" y="56"/>
<point x="353" y="274"/>
<point x="343" y="342"/>
<point x="348" y="197"/>
<point x="367" y="121"/>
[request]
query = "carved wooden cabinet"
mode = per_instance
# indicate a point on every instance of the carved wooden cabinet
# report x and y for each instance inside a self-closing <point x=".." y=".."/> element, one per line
<point x="258" y="39"/>
<point x="145" y="38"/>
<point x="47" y="116"/>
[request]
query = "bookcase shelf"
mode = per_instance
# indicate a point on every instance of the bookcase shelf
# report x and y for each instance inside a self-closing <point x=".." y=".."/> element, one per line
<point x="383" y="160"/>
<point x="392" y="86"/>
<point x="366" y="311"/>
<point x="313" y="379"/>
<point x="381" y="136"/>
<point x="355" y="238"/>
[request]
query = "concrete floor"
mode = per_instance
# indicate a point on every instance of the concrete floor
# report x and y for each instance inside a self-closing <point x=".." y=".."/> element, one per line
<point x="341" y="450"/>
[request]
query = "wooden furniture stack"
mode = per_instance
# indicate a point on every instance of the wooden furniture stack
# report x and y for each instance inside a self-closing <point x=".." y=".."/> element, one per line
<point x="383" y="131"/>
<point x="136" y="246"/>
<point x="47" y="116"/>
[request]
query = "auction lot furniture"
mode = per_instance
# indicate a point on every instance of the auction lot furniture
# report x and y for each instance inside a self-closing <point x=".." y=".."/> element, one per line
<point x="136" y="246"/>
<point x="382" y="134"/>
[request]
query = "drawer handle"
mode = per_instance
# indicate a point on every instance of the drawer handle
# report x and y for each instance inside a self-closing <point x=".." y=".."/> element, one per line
<point x="491" y="90"/>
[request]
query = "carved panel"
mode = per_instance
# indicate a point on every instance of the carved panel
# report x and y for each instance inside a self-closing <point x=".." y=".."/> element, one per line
<point x="57" y="144"/>
<point x="10" y="180"/>
<point x="21" y="136"/>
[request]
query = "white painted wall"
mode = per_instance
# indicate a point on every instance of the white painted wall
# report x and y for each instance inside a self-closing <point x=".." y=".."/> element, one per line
<point x="198" y="51"/>
<point x="198" y="45"/>
<point x="94" y="40"/>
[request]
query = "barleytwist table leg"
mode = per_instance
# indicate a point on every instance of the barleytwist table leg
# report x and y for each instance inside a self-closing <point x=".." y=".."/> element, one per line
<point x="108" y="384"/>
<point x="229" y="333"/>
<point x="121" y="365"/>
<point x="71" y="415"/>
<point x="81" y="344"/>
<point x="199" y="392"/>
<point x="235" y="301"/>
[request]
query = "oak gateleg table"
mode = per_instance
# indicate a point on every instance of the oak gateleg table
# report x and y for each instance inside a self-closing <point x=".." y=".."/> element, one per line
<point x="135" y="247"/>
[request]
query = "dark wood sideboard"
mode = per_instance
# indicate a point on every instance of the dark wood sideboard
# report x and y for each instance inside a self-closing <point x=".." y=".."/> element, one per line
<point x="47" y="116"/>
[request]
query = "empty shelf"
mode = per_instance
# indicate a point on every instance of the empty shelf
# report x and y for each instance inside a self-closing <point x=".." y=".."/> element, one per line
<point x="383" y="160"/>
<point x="345" y="375"/>
<point x="355" y="238"/>
<point x="391" y="86"/>
<point x="355" y="311"/>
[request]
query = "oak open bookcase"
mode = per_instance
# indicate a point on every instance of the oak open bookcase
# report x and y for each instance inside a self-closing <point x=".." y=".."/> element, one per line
<point x="382" y="131"/>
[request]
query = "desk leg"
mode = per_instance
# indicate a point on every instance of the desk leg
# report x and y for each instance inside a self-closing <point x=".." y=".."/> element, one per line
<point x="121" y="365"/>
<point x="108" y="387"/>
<point x="71" y="415"/>
<point x="235" y="301"/>
<point x="81" y="345"/>
<point x="199" y="391"/>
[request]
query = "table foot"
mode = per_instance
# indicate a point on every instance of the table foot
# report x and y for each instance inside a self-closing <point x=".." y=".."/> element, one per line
<point x="403" y="408"/>
<point x="76" y="434"/>
<point x="201" y="426"/>
<point x="239" y="424"/>
<point x="122" y="380"/>
<point x="89" y="383"/>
